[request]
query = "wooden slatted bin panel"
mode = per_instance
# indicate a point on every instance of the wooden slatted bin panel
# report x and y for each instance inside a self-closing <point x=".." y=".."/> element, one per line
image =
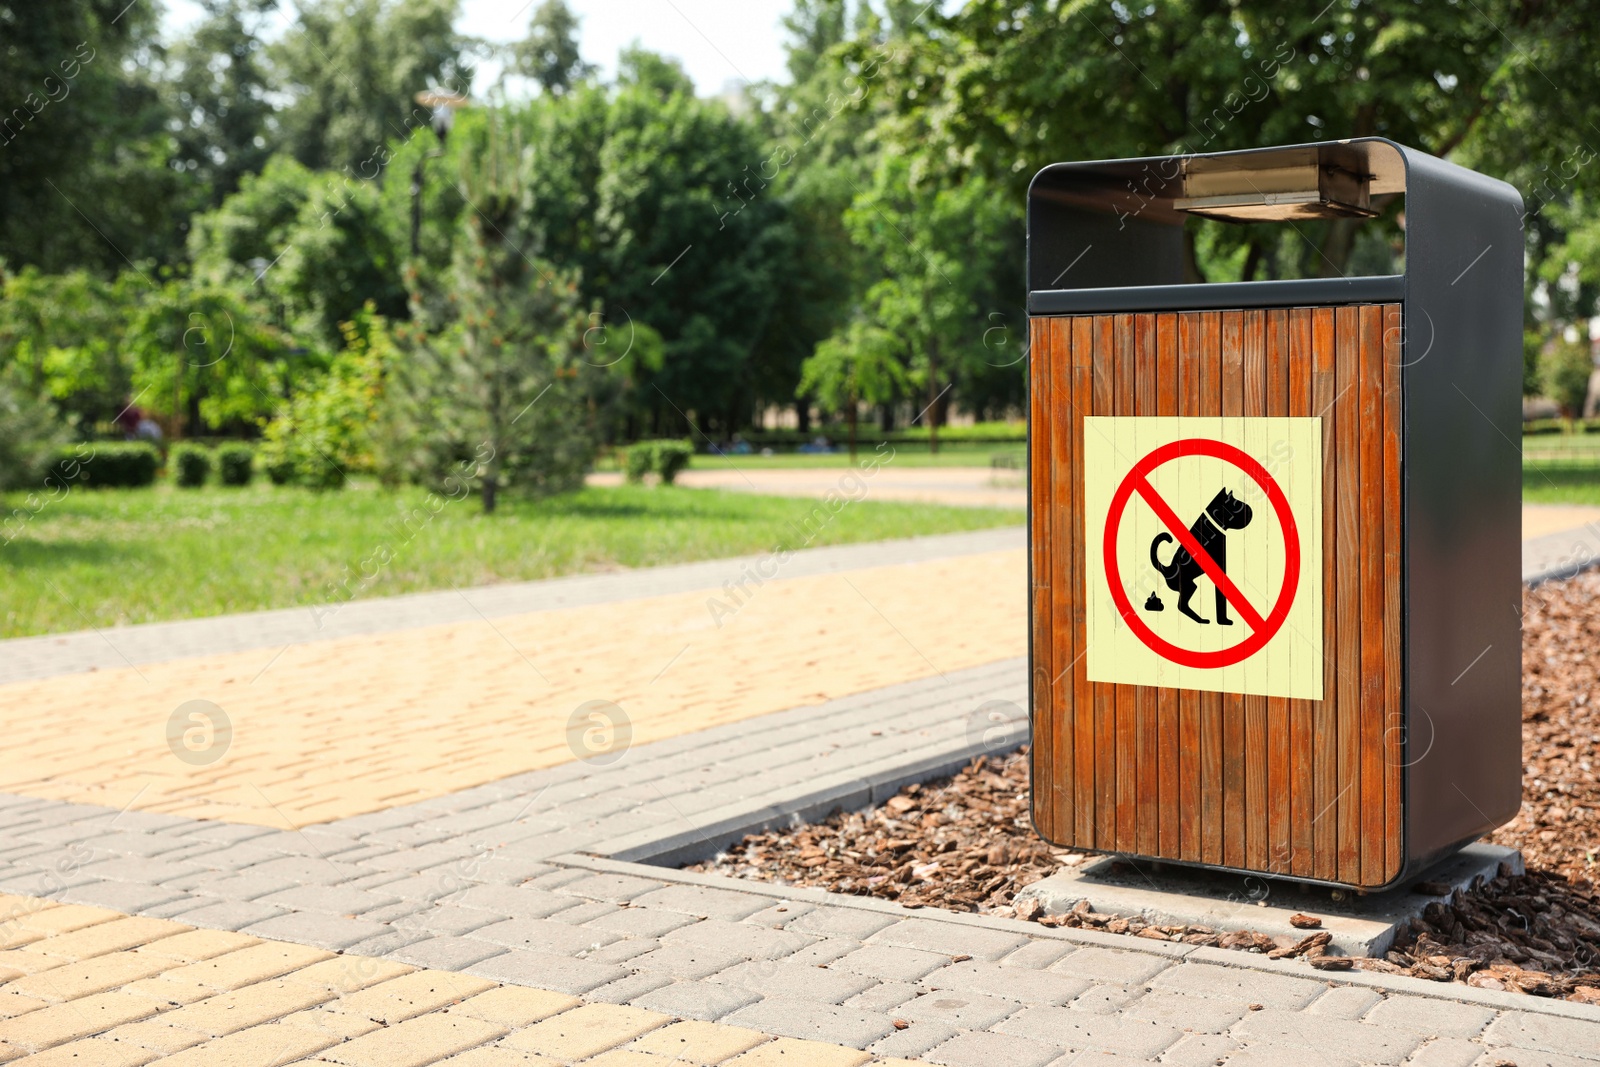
<point x="1298" y="787"/>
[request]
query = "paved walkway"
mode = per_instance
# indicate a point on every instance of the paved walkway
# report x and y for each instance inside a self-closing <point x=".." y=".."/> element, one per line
<point x="978" y="487"/>
<point x="408" y="852"/>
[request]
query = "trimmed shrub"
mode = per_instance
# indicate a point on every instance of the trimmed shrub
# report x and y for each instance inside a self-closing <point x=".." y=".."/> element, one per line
<point x="236" y="464"/>
<point x="641" y="459"/>
<point x="191" y="465"/>
<point x="670" y="458"/>
<point x="119" y="464"/>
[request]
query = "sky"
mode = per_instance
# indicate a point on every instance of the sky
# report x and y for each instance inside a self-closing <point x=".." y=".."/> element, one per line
<point x="716" y="40"/>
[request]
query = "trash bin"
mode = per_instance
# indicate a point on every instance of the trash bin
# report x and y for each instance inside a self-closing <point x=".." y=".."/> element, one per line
<point x="1274" y="526"/>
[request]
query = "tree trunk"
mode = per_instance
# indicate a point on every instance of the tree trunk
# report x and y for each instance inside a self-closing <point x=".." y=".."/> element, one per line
<point x="933" y="399"/>
<point x="853" y="415"/>
<point x="490" y="486"/>
<point x="802" y="415"/>
<point x="886" y="417"/>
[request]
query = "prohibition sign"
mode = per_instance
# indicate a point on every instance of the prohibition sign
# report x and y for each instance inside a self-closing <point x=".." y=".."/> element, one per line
<point x="1262" y="629"/>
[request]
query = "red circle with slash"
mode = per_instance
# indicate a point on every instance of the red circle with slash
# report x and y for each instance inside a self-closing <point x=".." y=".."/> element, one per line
<point x="1263" y="629"/>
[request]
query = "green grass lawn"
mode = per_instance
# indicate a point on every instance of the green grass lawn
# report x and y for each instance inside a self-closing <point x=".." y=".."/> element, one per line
<point x="142" y="555"/>
<point x="1561" y="468"/>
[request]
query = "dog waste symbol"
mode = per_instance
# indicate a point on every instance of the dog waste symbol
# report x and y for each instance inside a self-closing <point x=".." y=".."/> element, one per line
<point x="1154" y="604"/>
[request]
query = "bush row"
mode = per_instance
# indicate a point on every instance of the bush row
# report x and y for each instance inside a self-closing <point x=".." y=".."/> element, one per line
<point x="978" y="433"/>
<point x="665" y="458"/>
<point x="133" y="464"/>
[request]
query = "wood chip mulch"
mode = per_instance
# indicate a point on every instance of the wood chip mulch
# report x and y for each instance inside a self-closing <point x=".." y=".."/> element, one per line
<point x="966" y="843"/>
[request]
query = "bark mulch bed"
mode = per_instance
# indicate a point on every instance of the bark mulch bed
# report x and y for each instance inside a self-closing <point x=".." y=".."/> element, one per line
<point x="966" y="843"/>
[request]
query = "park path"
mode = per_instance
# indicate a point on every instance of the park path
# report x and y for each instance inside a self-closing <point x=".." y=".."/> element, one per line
<point x="406" y="853"/>
<point x="976" y="487"/>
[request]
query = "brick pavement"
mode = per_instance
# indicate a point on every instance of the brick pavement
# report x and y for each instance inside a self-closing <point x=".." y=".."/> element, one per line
<point x="326" y="729"/>
<point x="532" y="882"/>
<point x="516" y="883"/>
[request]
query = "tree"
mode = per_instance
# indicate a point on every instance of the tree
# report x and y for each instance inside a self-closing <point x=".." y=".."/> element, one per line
<point x="495" y="385"/>
<point x="549" y="54"/>
<point x="352" y="69"/>
<point x="219" y="90"/>
<point x="1568" y="366"/>
<point x="854" y="368"/>
<point x="29" y="437"/>
<point x="935" y="246"/>
<point x="318" y="246"/>
<point x="84" y="180"/>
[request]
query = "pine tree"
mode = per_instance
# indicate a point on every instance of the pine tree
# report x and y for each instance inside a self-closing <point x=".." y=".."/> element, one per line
<point x="496" y="390"/>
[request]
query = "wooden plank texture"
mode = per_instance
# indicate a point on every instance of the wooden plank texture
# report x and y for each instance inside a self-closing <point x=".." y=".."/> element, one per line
<point x="1309" y="788"/>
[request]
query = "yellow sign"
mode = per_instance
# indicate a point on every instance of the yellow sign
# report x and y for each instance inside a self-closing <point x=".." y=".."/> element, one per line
<point x="1203" y="553"/>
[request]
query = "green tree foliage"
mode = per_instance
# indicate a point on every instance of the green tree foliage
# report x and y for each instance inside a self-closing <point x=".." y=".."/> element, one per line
<point x="859" y="366"/>
<point x="84" y="180"/>
<point x="549" y="54"/>
<point x="218" y="88"/>
<point x="29" y="437"/>
<point x="319" y="245"/>
<point x="935" y="244"/>
<point x="331" y="426"/>
<point x="352" y="69"/>
<point x="1567" y="367"/>
<point x="204" y="356"/>
<point x="495" y="384"/>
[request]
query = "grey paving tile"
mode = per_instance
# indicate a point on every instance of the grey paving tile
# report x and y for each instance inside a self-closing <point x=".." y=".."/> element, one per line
<point x="1545" y="1033"/>
<point x="913" y="1041"/>
<point x="625" y="989"/>
<point x="1012" y="983"/>
<point x="562" y="974"/>
<point x="744" y="939"/>
<point x="447" y="919"/>
<point x="694" y="1000"/>
<point x="229" y="914"/>
<point x="331" y="932"/>
<point x="1202" y="1015"/>
<point x="686" y="961"/>
<point x="445" y="953"/>
<point x="854" y="923"/>
<point x="542" y="935"/>
<point x="886" y="961"/>
<point x="332" y="900"/>
<point x="965" y="1011"/>
<point x="769" y="978"/>
<point x="1234" y="984"/>
<point x="1085" y="1032"/>
<point x="1441" y="1018"/>
<point x="1115" y="965"/>
<point x="523" y="902"/>
<point x="1367" y="1043"/>
<point x="979" y="1049"/>
<point x="809" y="1021"/>
<point x="700" y="900"/>
<point x="885" y="997"/>
<point x="129" y="897"/>
<point x="639" y="922"/>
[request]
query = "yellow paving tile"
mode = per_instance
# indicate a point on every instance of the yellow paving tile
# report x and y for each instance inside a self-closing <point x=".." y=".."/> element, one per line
<point x="155" y="1035"/>
<point x="259" y="1046"/>
<point x="89" y="976"/>
<point x="195" y="945"/>
<point x="248" y="965"/>
<point x="101" y="938"/>
<point x="788" y="1052"/>
<point x="497" y="1056"/>
<point x="13" y="1004"/>
<point x="411" y="995"/>
<point x="41" y="917"/>
<point x="346" y="974"/>
<point x="250" y="1006"/>
<point x="415" y="1042"/>
<point x="586" y="1031"/>
<point x="90" y="1052"/>
<point x="60" y="1023"/>
<point x="270" y="1003"/>
<point x="341" y="727"/>
<point x="511" y="1005"/>
<point x="699" y="1043"/>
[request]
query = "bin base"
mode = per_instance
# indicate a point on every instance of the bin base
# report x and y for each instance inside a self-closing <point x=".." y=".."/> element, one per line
<point x="1361" y="925"/>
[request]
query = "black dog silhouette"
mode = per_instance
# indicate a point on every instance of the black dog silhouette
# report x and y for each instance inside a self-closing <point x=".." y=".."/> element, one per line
<point x="1225" y="512"/>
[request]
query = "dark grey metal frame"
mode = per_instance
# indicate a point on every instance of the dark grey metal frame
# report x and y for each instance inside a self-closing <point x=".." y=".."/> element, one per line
<point x="1107" y="230"/>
